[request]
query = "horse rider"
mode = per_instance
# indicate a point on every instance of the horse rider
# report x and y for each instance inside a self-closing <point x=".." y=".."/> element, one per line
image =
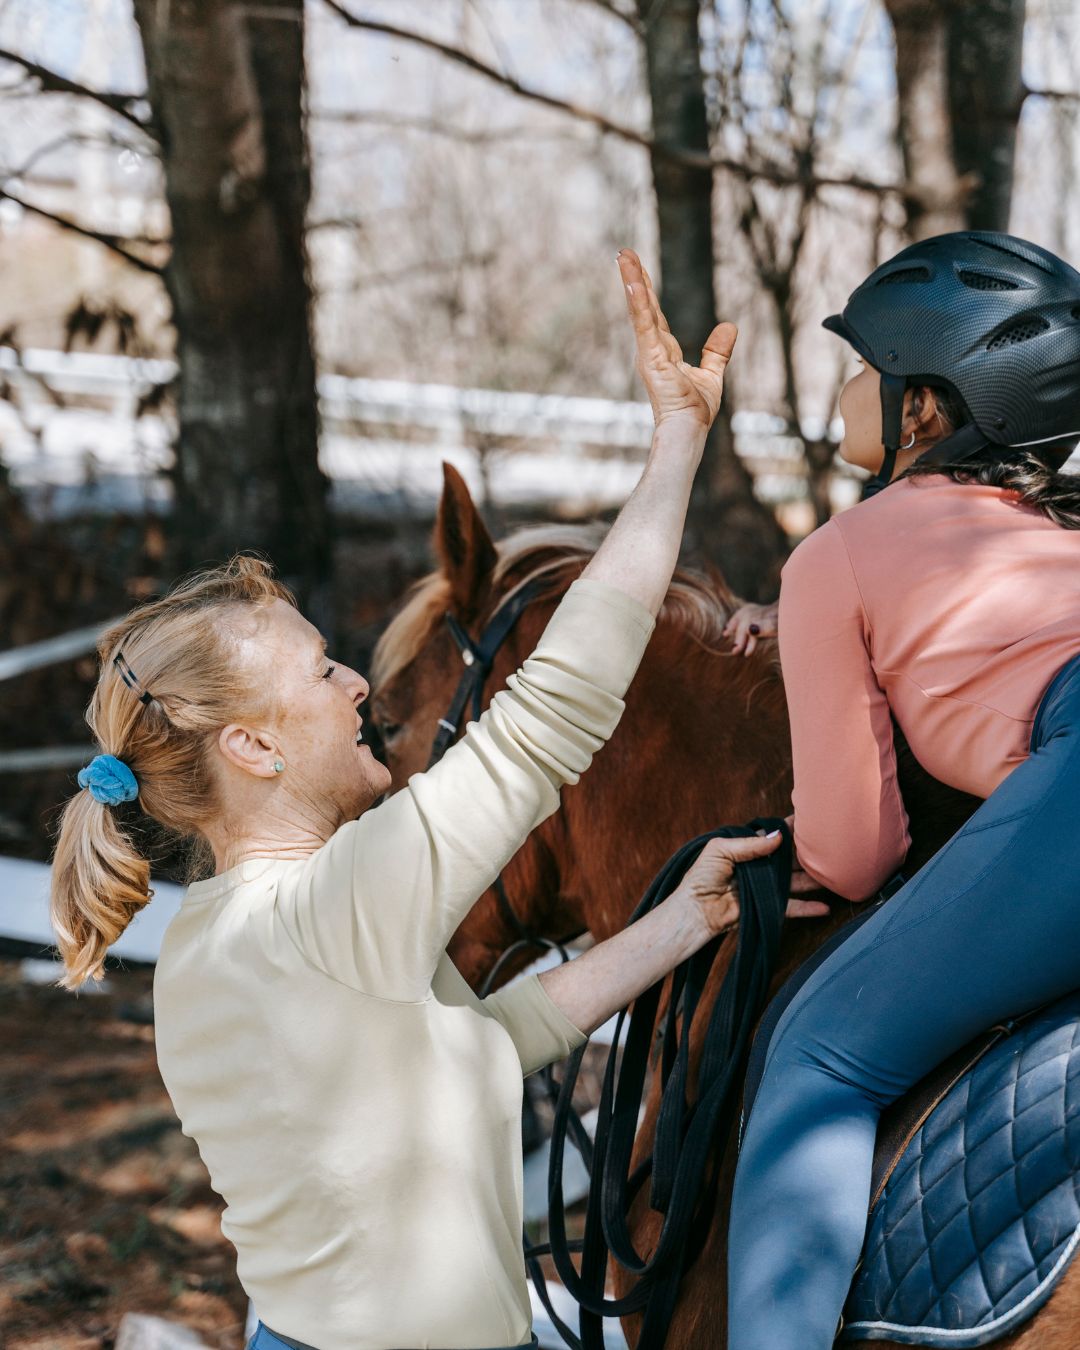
<point x="947" y="600"/>
<point x="357" y="1106"/>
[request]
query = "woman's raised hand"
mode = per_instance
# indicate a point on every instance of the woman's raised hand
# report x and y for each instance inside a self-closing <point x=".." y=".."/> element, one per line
<point x="677" y="390"/>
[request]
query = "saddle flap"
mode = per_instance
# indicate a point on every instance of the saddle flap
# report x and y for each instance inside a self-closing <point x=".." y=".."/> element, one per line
<point x="979" y="1216"/>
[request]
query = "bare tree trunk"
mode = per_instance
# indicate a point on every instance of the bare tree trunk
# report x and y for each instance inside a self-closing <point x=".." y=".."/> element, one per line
<point x="726" y="522"/>
<point x="225" y="84"/>
<point x="986" y="92"/>
<point x="935" y="196"/>
<point x="960" y="92"/>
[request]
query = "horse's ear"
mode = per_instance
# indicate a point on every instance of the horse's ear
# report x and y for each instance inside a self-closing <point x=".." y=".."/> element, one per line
<point x="463" y="545"/>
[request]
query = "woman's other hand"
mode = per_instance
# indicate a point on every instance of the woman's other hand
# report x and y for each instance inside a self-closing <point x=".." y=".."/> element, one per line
<point x="678" y="391"/>
<point x="618" y="970"/>
<point x="749" y="623"/>
<point x="709" y="887"/>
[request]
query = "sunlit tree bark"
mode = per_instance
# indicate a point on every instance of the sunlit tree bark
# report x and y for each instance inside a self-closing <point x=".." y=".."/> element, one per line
<point x="225" y="84"/>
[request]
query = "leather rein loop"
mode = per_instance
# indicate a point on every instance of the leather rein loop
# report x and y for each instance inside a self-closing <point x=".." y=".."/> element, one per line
<point x="686" y="1135"/>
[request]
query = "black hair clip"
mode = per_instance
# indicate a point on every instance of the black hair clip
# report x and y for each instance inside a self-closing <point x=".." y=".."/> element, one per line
<point x="130" y="678"/>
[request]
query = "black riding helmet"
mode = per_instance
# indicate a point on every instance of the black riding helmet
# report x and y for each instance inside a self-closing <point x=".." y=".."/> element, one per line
<point x="994" y="319"/>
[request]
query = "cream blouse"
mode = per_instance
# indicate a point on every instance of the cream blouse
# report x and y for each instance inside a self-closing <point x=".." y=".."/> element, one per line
<point x="357" y="1106"/>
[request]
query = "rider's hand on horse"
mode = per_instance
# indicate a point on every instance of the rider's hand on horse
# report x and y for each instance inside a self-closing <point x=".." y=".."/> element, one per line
<point x="748" y="624"/>
<point x="709" y="884"/>
<point x="678" y="391"/>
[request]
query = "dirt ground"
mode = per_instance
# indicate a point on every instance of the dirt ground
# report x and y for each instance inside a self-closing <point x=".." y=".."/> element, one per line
<point x="106" y="1207"/>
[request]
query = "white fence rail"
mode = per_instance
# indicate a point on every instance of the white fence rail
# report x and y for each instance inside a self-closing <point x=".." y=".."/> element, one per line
<point x="76" y="431"/>
<point x="34" y="655"/>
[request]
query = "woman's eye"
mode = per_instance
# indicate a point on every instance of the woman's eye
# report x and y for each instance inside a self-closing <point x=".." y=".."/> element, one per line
<point x="329" y="672"/>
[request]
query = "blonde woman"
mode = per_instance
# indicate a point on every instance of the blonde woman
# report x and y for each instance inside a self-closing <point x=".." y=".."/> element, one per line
<point x="358" y="1108"/>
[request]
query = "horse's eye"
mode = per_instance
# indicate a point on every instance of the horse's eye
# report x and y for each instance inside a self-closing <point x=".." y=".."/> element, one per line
<point x="388" y="730"/>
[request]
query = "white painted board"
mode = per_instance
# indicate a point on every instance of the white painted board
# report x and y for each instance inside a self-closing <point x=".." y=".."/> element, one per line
<point x="24" y="911"/>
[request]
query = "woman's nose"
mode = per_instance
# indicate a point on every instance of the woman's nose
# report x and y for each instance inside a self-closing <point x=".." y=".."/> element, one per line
<point x="361" y="687"/>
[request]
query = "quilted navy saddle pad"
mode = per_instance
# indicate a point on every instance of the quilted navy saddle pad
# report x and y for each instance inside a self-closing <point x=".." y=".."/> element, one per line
<point x="981" y="1216"/>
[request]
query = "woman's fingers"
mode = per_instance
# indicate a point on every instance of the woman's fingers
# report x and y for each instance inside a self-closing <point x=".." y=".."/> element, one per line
<point x="709" y="880"/>
<point x="718" y="348"/>
<point x="712" y="870"/>
<point x="807" y="909"/>
<point x="654" y="301"/>
<point x="748" y="625"/>
<point x="744" y="847"/>
<point x="677" y="390"/>
<point x="738" y="629"/>
<point x="804" y="884"/>
<point x="646" y="329"/>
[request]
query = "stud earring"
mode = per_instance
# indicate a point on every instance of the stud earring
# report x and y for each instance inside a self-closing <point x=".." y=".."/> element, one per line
<point x="278" y="766"/>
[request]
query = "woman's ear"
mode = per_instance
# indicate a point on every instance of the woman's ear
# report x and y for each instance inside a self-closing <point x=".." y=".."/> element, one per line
<point x="247" y="749"/>
<point x="921" y="414"/>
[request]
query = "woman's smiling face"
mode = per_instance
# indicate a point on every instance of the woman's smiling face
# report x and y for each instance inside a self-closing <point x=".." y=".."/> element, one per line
<point x="311" y="724"/>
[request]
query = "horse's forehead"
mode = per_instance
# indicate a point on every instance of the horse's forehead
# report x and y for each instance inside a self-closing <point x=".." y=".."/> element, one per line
<point x="409" y="632"/>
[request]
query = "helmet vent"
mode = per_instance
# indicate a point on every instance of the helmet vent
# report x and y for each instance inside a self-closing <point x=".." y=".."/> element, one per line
<point x="1017" y="332"/>
<point x="982" y="281"/>
<point x="905" y="274"/>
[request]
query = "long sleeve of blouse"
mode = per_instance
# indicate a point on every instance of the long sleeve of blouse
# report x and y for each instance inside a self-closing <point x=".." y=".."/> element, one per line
<point x="851" y="827"/>
<point x="376" y="906"/>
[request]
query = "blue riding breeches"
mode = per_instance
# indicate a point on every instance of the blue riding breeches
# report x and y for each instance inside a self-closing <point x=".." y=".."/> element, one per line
<point x="264" y="1339"/>
<point x="988" y="929"/>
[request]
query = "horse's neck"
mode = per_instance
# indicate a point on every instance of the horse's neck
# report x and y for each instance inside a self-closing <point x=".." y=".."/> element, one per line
<point x="703" y="742"/>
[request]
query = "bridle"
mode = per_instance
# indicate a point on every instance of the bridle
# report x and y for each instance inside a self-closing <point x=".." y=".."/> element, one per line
<point x="478" y="657"/>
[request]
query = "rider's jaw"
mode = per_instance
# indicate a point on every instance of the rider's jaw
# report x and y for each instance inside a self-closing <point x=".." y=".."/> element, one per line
<point x="860" y="408"/>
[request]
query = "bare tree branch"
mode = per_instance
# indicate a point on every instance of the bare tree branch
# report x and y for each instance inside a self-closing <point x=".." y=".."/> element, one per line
<point x="434" y="127"/>
<point x="114" y="242"/>
<point x="1058" y="95"/>
<point x="61" y="142"/>
<point x="772" y="173"/>
<point x="610" y="7"/>
<point x="53" y="83"/>
<point x="411" y="270"/>
<point x="479" y="67"/>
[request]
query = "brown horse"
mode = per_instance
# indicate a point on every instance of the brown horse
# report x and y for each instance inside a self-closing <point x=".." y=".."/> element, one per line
<point x="703" y="742"/>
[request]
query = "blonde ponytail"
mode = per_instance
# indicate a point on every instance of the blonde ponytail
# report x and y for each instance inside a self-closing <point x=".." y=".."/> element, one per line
<point x="99" y="883"/>
<point x="170" y="678"/>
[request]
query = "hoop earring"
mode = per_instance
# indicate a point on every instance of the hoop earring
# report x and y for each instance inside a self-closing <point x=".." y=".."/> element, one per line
<point x="909" y="444"/>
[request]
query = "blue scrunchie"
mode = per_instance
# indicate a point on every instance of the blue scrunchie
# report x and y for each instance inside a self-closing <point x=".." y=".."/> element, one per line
<point x="109" y="780"/>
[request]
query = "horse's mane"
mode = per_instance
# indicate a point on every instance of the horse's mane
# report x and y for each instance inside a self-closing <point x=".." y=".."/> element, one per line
<point x="698" y="602"/>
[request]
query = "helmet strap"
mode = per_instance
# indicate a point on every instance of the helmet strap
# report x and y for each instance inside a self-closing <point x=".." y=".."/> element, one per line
<point x="892" y="417"/>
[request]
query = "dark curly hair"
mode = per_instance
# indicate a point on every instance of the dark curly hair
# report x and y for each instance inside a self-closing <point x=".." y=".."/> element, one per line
<point x="1034" y="475"/>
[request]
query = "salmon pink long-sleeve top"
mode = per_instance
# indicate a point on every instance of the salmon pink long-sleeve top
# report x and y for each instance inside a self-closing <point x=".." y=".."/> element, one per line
<point x="950" y="605"/>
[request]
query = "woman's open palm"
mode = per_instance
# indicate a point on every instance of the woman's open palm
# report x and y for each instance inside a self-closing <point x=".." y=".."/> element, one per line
<point x="676" y="389"/>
